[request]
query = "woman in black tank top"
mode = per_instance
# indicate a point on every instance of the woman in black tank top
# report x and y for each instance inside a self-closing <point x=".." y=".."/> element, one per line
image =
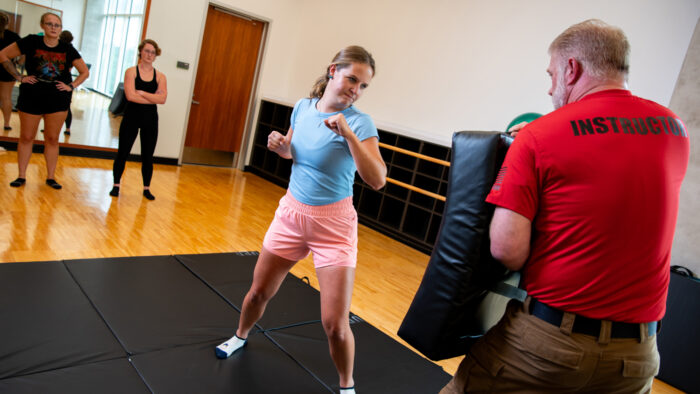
<point x="144" y="87"/>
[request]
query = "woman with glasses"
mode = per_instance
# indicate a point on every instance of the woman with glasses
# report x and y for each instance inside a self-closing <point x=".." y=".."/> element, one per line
<point x="44" y="93"/>
<point x="144" y="87"/>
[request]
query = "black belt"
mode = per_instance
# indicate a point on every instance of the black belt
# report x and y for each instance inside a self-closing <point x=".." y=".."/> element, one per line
<point x="588" y="326"/>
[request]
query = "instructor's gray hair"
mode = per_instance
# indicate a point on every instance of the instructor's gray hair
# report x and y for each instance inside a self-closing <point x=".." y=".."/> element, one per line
<point x="602" y="49"/>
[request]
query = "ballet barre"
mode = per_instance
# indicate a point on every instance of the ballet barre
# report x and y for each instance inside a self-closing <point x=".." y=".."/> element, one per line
<point x="419" y="156"/>
<point x="414" y="154"/>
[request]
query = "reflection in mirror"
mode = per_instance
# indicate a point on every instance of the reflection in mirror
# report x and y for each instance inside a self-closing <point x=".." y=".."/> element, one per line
<point x="106" y="34"/>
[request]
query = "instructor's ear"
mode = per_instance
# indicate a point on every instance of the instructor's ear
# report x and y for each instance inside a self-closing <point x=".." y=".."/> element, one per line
<point x="573" y="71"/>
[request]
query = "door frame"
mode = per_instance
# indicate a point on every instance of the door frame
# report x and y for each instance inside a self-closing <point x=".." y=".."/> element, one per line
<point x="241" y="157"/>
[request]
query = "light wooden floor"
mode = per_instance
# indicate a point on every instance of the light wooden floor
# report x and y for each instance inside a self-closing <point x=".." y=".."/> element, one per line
<point x="197" y="210"/>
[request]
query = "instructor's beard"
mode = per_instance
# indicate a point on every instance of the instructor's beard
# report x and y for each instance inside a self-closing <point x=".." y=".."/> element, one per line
<point x="559" y="95"/>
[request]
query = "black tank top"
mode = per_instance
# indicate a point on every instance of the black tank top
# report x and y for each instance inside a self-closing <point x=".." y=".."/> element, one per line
<point x="150" y="87"/>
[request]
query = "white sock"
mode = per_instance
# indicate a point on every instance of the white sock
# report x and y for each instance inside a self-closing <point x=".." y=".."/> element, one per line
<point x="227" y="348"/>
<point x="349" y="390"/>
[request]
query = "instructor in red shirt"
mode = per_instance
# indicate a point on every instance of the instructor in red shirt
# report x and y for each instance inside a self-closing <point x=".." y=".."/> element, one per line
<point x="586" y="206"/>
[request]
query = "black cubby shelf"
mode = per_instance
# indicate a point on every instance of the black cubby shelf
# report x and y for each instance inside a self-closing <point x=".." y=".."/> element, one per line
<point x="402" y="214"/>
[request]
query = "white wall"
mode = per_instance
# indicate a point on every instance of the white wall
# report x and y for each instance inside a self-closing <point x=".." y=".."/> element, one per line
<point x="450" y="65"/>
<point x="686" y="104"/>
<point x="442" y="65"/>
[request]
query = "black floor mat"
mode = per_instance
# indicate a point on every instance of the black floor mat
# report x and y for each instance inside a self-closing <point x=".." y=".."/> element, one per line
<point x="46" y="322"/>
<point x="150" y="324"/>
<point x="231" y="275"/>
<point x="153" y="303"/>
<point x="259" y="368"/>
<point x="382" y="365"/>
<point x="105" y="377"/>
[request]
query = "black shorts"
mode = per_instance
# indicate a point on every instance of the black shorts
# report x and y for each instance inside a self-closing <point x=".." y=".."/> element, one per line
<point x="42" y="98"/>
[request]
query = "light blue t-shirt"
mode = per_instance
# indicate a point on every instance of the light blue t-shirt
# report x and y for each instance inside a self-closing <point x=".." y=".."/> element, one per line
<point x="323" y="171"/>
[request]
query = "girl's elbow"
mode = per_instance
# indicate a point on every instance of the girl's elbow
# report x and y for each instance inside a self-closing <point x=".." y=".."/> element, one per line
<point x="378" y="183"/>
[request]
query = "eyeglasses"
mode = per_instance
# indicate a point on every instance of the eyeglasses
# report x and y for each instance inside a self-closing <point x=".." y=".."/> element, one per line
<point x="149" y="52"/>
<point x="52" y="25"/>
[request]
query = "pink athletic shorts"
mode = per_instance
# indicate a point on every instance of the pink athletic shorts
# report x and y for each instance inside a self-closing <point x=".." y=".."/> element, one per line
<point x="329" y="231"/>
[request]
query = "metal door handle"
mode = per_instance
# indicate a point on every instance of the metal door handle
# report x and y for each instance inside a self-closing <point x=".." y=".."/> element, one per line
<point x="195" y="102"/>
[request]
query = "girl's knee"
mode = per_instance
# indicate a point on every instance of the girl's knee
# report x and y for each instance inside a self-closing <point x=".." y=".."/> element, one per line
<point x="336" y="329"/>
<point x="259" y="295"/>
<point x="51" y="140"/>
<point x="26" y="139"/>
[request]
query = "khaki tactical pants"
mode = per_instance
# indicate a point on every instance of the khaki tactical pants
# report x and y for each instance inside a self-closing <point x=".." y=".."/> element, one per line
<point x="523" y="354"/>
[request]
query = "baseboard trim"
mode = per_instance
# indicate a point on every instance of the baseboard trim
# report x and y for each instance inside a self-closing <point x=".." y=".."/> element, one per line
<point x="86" y="151"/>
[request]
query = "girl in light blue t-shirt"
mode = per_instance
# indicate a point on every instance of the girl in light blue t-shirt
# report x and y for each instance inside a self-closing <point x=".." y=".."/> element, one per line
<point x="329" y="140"/>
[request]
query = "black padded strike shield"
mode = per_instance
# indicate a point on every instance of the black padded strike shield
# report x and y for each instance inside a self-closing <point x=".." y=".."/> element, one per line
<point x="441" y="322"/>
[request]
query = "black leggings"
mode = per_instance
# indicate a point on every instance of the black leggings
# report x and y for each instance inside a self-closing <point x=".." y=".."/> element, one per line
<point x="131" y="123"/>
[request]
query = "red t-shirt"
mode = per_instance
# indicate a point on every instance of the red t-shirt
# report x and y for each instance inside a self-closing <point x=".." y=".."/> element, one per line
<point x="600" y="181"/>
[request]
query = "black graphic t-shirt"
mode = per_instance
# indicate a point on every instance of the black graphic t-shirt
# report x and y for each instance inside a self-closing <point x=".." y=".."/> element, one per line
<point x="46" y="63"/>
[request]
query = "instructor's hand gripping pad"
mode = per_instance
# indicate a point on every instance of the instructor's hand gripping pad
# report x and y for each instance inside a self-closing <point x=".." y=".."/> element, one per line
<point x="441" y="322"/>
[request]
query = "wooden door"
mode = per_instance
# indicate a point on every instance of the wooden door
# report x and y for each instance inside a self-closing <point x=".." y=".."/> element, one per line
<point x="225" y="75"/>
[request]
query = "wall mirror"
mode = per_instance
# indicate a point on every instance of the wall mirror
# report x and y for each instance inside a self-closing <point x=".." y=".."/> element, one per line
<point x="107" y="34"/>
